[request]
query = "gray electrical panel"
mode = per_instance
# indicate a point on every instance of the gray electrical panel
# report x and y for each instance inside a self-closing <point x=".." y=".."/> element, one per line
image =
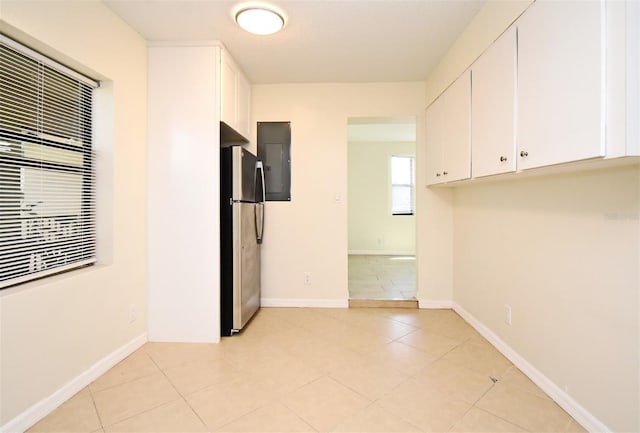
<point x="274" y="150"/>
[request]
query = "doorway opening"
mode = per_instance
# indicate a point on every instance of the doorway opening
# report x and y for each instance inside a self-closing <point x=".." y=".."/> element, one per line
<point x="381" y="209"/>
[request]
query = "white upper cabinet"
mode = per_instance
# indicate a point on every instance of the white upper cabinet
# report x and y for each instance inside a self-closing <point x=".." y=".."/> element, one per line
<point x="434" y="141"/>
<point x="561" y="83"/>
<point x="235" y="95"/>
<point x="243" y="105"/>
<point x="493" y="108"/>
<point x="228" y="90"/>
<point x="448" y="126"/>
<point x="559" y="86"/>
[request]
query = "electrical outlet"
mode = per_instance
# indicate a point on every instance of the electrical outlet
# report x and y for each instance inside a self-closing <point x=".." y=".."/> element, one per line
<point x="307" y="278"/>
<point x="133" y="313"/>
<point x="507" y="314"/>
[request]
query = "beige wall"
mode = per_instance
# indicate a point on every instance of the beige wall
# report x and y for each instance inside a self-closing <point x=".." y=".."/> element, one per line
<point x="54" y="330"/>
<point x="309" y="234"/>
<point x="372" y="228"/>
<point x="561" y="250"/>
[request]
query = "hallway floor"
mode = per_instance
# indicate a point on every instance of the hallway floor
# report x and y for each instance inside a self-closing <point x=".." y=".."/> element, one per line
<point x="318" y="370"/>
<point x="382" y="277"/>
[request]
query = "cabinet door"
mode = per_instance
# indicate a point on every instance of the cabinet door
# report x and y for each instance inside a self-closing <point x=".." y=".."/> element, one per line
<point x="228" y="78"/>
<point x="456" y="153"/>
<point x="448" y="119"/>
<point x="434" y="145"/>
<point x="243" y="105"/>
<point x="236" y="96"/>
<point x="493" y="108"/>
<point x="560" y="83"/>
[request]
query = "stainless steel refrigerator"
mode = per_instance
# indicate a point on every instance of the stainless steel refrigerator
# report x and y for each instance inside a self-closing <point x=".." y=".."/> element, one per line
<point x="242" y="224"/>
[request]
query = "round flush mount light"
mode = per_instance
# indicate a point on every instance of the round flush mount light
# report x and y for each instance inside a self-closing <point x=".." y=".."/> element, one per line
<point x="260" y="19"/>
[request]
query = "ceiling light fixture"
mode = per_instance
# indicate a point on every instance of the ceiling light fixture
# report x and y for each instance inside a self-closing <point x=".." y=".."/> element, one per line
<point x="260" y="20"/>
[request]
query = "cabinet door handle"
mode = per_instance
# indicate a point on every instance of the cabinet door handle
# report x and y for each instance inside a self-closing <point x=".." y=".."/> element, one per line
<point x="524" y="154"/>
<point x="503" y="158"/>
<point x="444" y="173"/>
<point x="437" y="174"/>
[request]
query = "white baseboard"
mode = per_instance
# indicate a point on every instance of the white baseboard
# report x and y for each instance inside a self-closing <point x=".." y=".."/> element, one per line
<point x="434" y="304"/>
<point x="564" y="400"/>
<point x="304" y="303"/>
<point x="381" y="253"/>
<point x="47" y="405"/>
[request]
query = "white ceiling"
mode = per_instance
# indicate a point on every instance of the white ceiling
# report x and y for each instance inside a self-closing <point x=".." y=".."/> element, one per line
<point x="323" y="41"/>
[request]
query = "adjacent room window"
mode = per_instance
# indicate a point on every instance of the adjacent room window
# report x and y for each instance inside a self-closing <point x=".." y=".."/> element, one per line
<point x="47" y="184"/>
<point x="402" y="185"/>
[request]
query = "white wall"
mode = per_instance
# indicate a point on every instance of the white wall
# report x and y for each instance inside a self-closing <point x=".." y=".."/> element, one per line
<point x="309" y="234"/>
<point x="53" y="330"/>
<point x="562" y="250"/>
<point x="372" y="228"/>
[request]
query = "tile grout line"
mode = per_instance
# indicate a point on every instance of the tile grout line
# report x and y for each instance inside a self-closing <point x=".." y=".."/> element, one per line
<point x="279" y="401"/>
<point x="128" y="381"/>
<point x="183" y="397"/>
<point x="324" y="375"/>
<point x="161" y="404"/>
<point x="95" y="407"/>
<point x="91" y="392"/>
<point x="502" y="418"/>
<point x="406" y="379"/>
<point x="492" y="387"/>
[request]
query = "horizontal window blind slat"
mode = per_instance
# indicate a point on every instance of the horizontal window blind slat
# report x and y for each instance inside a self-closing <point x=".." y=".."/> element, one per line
<point x="48" y="62"/>
<point x="69" y="251"/>
<point x="40" y="274"/>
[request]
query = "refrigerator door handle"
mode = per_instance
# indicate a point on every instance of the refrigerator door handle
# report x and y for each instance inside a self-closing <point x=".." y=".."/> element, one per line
<point x="259" y="214"/>
<point x="260" y="206"/>
<point x="260" y="177"/>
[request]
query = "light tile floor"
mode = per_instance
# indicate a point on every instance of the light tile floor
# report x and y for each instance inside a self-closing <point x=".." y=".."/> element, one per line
<point x="308" y="370"/>
<point x="382" y="277"/>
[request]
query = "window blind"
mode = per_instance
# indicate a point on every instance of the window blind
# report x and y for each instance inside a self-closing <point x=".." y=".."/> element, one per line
<point x="47" y="182"/>
<point x="402" y="185"/>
